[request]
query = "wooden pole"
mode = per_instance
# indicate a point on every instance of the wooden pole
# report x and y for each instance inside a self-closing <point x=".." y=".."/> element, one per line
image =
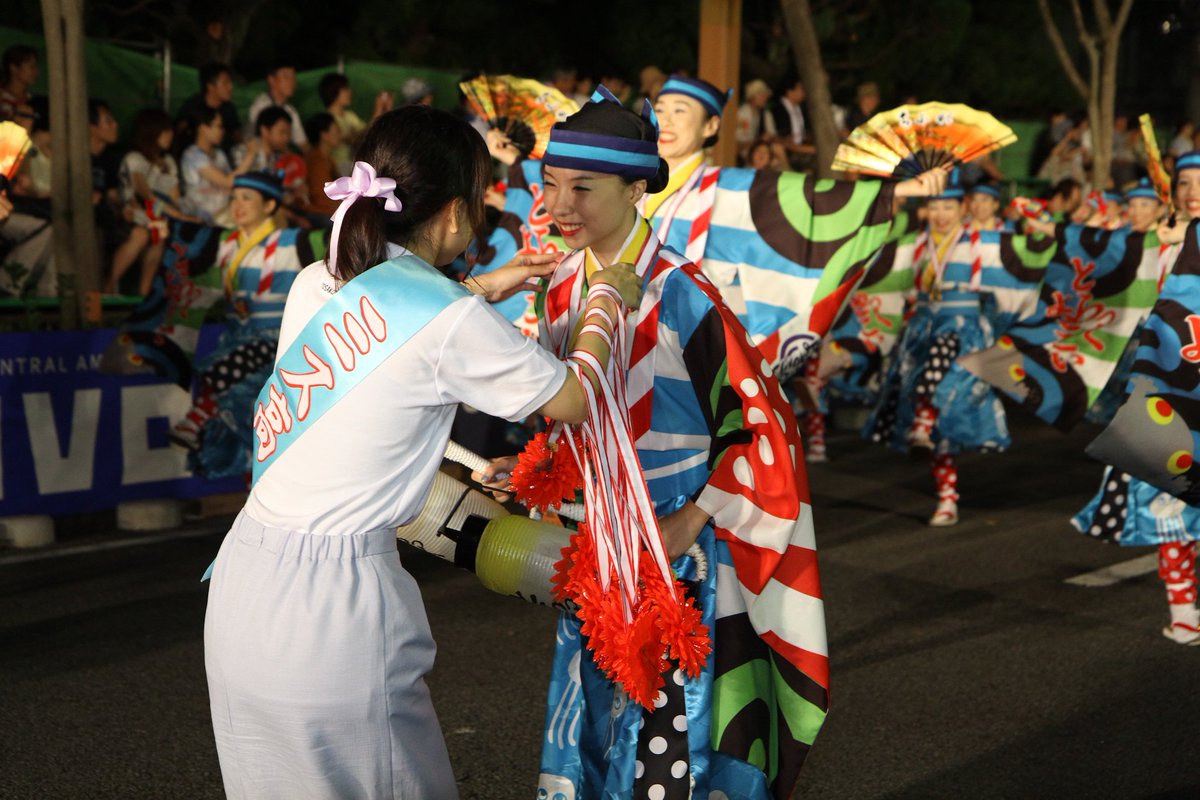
<point x="83" y="220"/>
<point x="76" y="254"/>
<point x="60" y="179"/>
<point x="720" y="56"/>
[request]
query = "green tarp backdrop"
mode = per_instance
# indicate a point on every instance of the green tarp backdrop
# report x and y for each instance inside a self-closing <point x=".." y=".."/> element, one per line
<point x="129" y="80"/>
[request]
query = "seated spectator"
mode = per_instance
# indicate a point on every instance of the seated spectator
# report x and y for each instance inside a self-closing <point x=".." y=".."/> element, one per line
<point x="651" y="80"/>
<point x="281" y="85"/>
<point x="866" y="102"/>
<point x="207" y="176"/>
<point x="273" y="130"/>
<point x="790" y="125"/>
<point x="18" y="71"/>
<point x="106" y="164"/>
<point x="768" y="154"/>
<point x="324" y="135"/>
<point x="216" y="94"/>
<point x="26" y="254"/>
<point x="1182" y="143"/>
<point x="149" y="180"/>
<point x="417" y="92"/>
<point x="334" y="90"/>
<point x="753" y="118"/>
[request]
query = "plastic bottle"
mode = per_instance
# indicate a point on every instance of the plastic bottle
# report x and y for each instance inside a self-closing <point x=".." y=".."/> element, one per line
<point x="511" y="554"/>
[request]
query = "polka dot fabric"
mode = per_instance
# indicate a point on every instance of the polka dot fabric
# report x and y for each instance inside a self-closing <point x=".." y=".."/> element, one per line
<point x="1109" y="519"/>
<point x="1177" y="568"/>
<point x="238" y="363"/>
<point x="941" y="356"/>
<point x="662" y="753"/>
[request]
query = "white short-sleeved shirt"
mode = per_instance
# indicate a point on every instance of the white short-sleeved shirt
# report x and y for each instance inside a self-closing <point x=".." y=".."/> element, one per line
<point x="368" y="462"/>
<point x="162" y="177"/>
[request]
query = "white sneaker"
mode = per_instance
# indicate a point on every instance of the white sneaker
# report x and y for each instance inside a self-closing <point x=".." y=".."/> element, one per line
<point x="1182" y="633"/>
<point x="945" y="515"/>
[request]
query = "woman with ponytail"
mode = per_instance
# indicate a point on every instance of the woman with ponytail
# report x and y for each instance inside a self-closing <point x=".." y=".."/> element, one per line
<point x="316" y="640"/>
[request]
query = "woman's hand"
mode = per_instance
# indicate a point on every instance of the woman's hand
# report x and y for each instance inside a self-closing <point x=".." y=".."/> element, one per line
<point x="496" y="477"/>
<point x="384" y="102"/>
<point x="625" y="280"/>
<point x="519" y="275"/>
<point x="501" y="147"/>
<point x="927" y="184"/>
<point x="681" y="528"/>
<point x="1172" y="231"/>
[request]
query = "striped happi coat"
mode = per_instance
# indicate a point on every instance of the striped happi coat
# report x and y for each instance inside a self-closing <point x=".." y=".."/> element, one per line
<point x="784" y="250"/>
<point x="255" y="296"/>
<point x="710" y="425"/>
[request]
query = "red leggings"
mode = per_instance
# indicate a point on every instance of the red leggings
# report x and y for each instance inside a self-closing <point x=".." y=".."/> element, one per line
<point x="1177" y="568"/>
<point x="945" y="476"/>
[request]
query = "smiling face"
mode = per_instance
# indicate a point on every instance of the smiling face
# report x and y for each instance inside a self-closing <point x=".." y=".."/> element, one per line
<point x="591" y="209"/>
<point x="683" y="126"/>
<point x="944" y="215"/>
<point x="1187" y="193"/>
<point x="983" y="206"/>
<point x="249" y="208"/>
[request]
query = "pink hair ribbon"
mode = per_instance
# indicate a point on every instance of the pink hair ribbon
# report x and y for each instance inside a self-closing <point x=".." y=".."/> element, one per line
<point x="362" y="182"/>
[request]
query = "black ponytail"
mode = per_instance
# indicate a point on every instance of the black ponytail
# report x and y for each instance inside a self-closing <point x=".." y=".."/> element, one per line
<point x="435" y="158"/>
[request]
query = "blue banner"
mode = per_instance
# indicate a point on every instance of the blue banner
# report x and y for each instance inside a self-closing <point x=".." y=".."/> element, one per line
<point x="75" y="440"/>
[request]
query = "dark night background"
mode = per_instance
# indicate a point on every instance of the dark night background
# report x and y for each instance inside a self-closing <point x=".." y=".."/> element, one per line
<point x="993" y="55"/>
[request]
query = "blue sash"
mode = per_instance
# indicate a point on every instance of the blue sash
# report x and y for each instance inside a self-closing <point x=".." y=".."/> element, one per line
<point x="353" y="333"/>
<point x="356" y="330"/>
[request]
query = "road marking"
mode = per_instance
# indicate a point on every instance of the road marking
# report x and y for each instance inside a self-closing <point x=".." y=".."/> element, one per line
<point x="116" y="544"/>
<point x="1116" y="573"/>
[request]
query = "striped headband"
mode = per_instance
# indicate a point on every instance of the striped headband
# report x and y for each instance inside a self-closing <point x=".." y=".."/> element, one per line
<point x="703" y="92"/>
<point x="1190" y="160"/>
<point x="262" y="182"/>
<point x="1142" y="188"/>
<point x="605" y="153"/>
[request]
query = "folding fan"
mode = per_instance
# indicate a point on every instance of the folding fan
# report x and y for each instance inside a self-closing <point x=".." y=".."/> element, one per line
<point x="14" y="142"/>
<point x="521" y="108"/>
<point x="909" y="140"/>
<point x="1154" y="164"/>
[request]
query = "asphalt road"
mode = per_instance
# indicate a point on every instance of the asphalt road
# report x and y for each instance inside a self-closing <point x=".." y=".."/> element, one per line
<point x="963" y="664"/>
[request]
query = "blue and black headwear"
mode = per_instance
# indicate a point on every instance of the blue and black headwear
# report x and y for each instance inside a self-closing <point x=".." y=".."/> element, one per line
<point x="268" y="184"/>
<point x="605" y="137"/>
<point x="990" y="189"/>
<point x="710" y="97"/>
<point x="1143" y="188"/>
<point x="1189" y="160"/>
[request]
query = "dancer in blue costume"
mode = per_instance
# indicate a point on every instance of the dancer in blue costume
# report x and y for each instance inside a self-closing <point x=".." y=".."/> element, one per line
<point x="927" y="401"/>
<point x="704" y="409"/>
<point x="784" y="250"/>
<point x="1131" y="511"/>
<point x="258" y="261"/>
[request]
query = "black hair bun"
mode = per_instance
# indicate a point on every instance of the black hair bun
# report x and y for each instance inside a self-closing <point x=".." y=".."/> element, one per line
<point x="659" y="181"/>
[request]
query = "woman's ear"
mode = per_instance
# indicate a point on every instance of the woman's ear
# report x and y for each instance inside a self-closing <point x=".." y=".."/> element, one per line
<point x="636" y="190"/>
<point x="455" y="214"/>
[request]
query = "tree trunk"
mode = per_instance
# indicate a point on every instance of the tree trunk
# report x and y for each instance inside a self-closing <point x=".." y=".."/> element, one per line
<point x="797" y="15"/>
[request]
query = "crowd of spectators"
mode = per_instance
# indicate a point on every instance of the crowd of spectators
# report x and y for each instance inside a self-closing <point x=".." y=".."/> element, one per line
<point x="183" y="168"/>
